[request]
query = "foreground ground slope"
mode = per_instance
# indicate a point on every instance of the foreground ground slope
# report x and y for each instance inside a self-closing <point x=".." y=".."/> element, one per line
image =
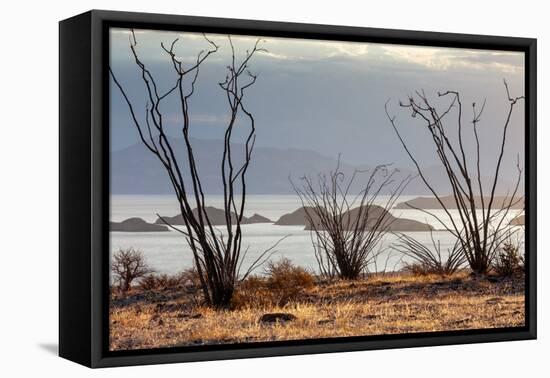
<point x="389" y="304"/>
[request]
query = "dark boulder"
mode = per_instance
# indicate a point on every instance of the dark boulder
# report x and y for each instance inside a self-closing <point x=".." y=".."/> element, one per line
<point x="277" y="317"/>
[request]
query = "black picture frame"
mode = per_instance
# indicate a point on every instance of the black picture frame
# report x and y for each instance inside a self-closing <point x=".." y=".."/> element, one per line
<point x="84" y="187"/>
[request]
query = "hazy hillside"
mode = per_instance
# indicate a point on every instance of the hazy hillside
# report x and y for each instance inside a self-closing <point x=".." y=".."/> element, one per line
<point x="136" y="171"/>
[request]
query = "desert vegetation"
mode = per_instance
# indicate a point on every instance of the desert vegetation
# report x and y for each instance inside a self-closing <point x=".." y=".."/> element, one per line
<point x="217" y="258"/>
<point x="128" y="266"/>
<point x="430" y="259"/>
<point x="480" y="236"/>
<point x="288" y="303"/>
<point x="347" y="229"/>
<point x="476" y="283"/>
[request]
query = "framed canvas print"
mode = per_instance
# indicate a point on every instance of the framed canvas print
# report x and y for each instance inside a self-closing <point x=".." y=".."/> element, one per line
<point x="233" y="188"/>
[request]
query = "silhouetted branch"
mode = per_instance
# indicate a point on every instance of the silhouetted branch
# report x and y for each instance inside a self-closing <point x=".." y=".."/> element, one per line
<point x="345" y="233"/>
<point x="475" y="232"/>
<point x="217" y="257"/>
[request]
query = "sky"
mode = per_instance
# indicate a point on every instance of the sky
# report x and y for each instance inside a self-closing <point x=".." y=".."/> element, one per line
<point x="326" y="96"/>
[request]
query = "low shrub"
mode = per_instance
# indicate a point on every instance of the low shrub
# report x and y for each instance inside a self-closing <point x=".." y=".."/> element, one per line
<point x="187" y="279"/>
<point x="420" y="269"/>
<point x="428" y="259"/>
<point x="287" y="281"/>
<point x="252" y="293"/>
<point x="283" y="282"/>
<point x="508" y="261"/>
<point x="128" y="266"/>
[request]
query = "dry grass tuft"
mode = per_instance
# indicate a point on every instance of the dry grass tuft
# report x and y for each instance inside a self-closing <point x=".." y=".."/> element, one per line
<point x="282" y="284"/>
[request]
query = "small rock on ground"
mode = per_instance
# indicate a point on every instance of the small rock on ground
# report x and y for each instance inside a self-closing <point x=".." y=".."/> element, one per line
<point x="277" y="317"/>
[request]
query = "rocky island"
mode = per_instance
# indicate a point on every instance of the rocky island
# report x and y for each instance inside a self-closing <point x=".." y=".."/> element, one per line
<point x="518" y="221"/>
<point x="299" y="218"/>
<point x="136" y="225"/>
<point x="449" y="202"/>
<point x="216" y="216"/>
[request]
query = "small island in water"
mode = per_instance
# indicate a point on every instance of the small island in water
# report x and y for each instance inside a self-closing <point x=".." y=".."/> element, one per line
<point x="136" y="225"/>
<point x="300" y="217"/>
<point x="499" y="202"/>
<point x="296" y="218"/>
<point x="287" y="217"/>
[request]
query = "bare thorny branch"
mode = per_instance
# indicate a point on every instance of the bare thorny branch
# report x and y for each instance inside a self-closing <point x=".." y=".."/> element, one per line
<point x="477" y="233"/>
<point x="431" y="258"/>
<point x="347" y="232"/>
<point x="217" y="258"/>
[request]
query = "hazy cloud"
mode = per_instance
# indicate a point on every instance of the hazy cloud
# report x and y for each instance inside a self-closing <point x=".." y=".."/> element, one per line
<point x="325" y="96"/>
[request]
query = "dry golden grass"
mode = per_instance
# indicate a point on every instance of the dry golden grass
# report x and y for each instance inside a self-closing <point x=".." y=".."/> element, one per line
<point x="393" y="304"/>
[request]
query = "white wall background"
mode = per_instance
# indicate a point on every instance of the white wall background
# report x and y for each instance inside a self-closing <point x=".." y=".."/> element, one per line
<point x="29" y="186"/>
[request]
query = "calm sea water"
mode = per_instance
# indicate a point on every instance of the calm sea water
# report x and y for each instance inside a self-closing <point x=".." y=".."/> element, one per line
<point x="167" y="252"/>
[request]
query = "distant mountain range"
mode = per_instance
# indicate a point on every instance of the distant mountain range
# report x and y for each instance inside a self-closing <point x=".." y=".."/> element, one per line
<point x="135" y="170"/>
